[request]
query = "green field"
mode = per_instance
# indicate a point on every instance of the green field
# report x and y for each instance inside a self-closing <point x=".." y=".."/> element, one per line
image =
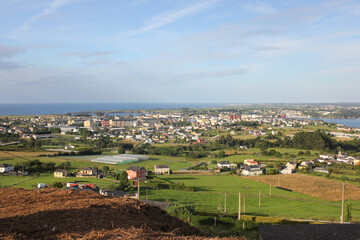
<point x="28" y="182"/>
<point x="209" y="194"/>
<point x="210" y="191"/>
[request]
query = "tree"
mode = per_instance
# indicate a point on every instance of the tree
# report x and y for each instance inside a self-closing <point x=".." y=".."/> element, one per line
<point x="84" y="133"/>
<point x="67" y="164"/>
<point x="105" y="168"/>
<point x="179" y="208"/>
<point x="221" y="154"/>
<point x="348" y="216"/>
<point x="121" y="150"/>
<point x="124" y="184"/>
<point x="57" y="185"/>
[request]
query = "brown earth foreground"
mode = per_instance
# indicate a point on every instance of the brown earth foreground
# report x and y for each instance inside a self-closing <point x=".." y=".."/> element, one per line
<point x="314" y="186"/>
<point x="62" y="214"/>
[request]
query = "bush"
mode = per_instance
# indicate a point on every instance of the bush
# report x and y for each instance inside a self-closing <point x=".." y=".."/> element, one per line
<point x="178" y="208"/>
<point x="58" y="185"/>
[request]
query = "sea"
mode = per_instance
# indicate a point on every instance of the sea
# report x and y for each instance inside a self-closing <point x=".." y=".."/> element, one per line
<point x="21" y="109"/>
<point x="346" y="122"/>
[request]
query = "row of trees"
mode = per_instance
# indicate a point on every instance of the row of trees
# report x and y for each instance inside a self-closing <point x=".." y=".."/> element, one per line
<point x="38" y="166"/>
<point x="8" y="137"/>
<point x="318" y="140"/>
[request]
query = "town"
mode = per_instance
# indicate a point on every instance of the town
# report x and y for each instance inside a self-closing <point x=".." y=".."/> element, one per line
<point x="154" y="156"/>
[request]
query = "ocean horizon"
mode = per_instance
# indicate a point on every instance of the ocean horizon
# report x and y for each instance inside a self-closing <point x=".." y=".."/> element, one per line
<point x="8" y="109"/>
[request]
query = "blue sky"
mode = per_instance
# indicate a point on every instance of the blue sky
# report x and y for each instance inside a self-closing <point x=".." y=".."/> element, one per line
<point x="225" y="51"/>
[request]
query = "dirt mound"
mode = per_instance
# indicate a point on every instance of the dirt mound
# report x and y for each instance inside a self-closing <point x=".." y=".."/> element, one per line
<point x="60" y="214"/>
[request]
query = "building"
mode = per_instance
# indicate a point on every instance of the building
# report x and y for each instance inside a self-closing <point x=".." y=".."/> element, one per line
<point x="105" y="123"/>
<point x="136" y="172"/>
<point x="321" y="170"/>
<point x="162" y="169"/>
<point x="41" y="185"/>
<point x="120" y="123"/>
<point x="357" y="161"/>
<point x="327" y="156"/>
<point x="224" y="164"/>
<point x="252" y="170"/>
<point x="42" y="136"/>
<point x="286" y="170"/>
<point x="6" y="168"/>
<point x="250" y="162"/>
<point x="88" y="124"/>
<point x="88" y="171"/>
<point x="59" y="173"/>
<point x="305" y="164"/>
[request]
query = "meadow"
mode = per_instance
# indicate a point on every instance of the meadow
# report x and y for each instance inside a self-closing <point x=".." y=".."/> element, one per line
<point x="311" y="185"/>
<point x="209" y="197"/>
<point x="313" y="200"/>
<point x="29" y="182"/>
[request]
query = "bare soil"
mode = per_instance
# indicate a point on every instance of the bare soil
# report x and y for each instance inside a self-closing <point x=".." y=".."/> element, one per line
<point x="62" y="214"/>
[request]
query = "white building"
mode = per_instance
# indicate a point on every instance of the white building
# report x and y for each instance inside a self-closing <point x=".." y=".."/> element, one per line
<point x="6" y="168"/>
<point x="252" y="170"/>
<point x="224" y="164"/>
<point x="162" y="169"/>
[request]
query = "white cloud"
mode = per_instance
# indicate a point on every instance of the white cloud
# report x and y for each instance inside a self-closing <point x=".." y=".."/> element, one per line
<point x="52" y="8"/>
<point x="169" y="17"/>
<point x="258" y="6"/>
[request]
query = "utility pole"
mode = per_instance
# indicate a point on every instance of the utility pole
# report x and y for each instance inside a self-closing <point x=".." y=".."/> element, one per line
<point x="239" y="211"/>
<point x="146" y="194"/>
<point x="225" y="204"/>
<point x="244" y="205"/>
<point x="138" y="180"/>
<point x="259" y="198"/>
<point x="342" y="203"/>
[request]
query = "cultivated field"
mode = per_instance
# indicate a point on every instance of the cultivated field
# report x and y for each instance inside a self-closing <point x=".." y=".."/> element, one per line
<point x="314" y="186"/>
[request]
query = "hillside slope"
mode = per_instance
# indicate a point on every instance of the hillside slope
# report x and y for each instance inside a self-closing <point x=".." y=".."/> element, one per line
<point x="60" y="214"/>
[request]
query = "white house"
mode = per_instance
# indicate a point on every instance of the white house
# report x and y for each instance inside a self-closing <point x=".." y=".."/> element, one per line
<point x="286" y="170"/>
<point x="224" y="164"/>
<point x="252" y="170"/>
<point x="162" y="169"/>
<point x="6" y="168"/>
<point x="250" y="162"/>
<point x="327" y="156"/>
<point x="289" y="168"/>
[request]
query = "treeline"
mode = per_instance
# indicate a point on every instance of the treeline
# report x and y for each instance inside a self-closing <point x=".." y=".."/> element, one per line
<point x="38" y="166"/>
<point x="318" y="140"/>
<point x="181" y="124"/>
<point x="245" y="124"/>
<point x="81" y="152"/>
<point x="8" y="137"/>
<point x="306" y="141"/>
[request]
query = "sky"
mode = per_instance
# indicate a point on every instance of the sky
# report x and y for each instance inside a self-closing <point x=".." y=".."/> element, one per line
<point x="194" y="51"/>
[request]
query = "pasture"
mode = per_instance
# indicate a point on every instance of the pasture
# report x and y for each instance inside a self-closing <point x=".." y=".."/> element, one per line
<point x="319" y="187"/>
<point x="209" y="197"/>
